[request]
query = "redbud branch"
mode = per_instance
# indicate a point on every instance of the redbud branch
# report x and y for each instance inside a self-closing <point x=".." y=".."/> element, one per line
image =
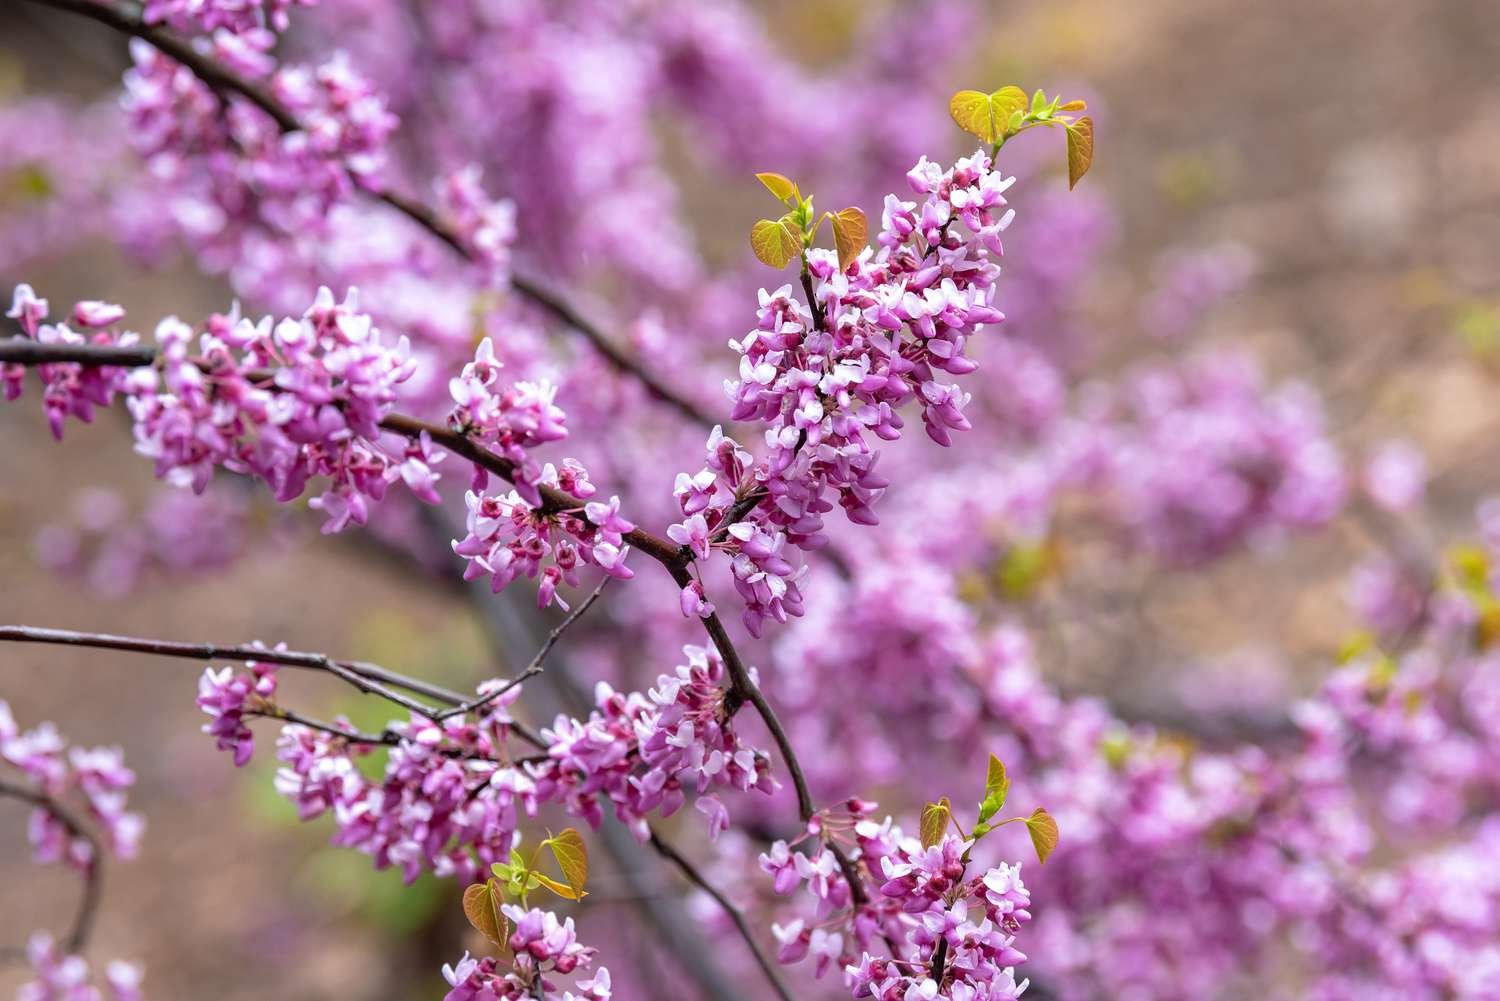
<point x="93" y="876"/>
<point x="368" y="678"/>
<point x="676" y="559"/>
<point x="222" y="80"/>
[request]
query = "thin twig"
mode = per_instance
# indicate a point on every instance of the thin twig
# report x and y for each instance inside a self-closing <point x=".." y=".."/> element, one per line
<point x="368" y="678"/>
<point x="672" y="855"/>
<point x="532" y="669"/>
<point x="93" y="875"/>
<point x="222" y="79"/>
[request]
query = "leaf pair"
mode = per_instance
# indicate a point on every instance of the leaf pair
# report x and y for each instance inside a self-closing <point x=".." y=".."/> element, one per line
<point x="482" y="901"/>
<point x="1040" y="825"/>
<point x="777" y="242"/>
<point x="996" y="116"/>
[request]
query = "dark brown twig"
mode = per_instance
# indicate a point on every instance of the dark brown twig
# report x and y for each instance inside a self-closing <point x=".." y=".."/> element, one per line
<point x="532" y="669"/>
<point x="93" y="876"/>
<point x="695" y="877"/>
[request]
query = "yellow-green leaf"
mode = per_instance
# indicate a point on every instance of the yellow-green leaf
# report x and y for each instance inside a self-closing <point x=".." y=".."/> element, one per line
<point x="850" y="230"/>
<point x="1006" y="102"/>
<point x="775" y="243"/>
<point x="996" y="788"/>
<point x="972" y="113"/>
<point x="987" y="115"/>
<point x="572" y="858"/>
<point x="561" y="889"/>
<point x="783" y="187"/>
<point x="1044" y="833"/>
<point x="1080" y="149"/>
<point x="935" y="817"/>
<point x="482" y="908"/>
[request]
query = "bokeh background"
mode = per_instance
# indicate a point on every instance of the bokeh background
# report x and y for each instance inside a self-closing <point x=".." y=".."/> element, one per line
<point x="1346" y="154"/>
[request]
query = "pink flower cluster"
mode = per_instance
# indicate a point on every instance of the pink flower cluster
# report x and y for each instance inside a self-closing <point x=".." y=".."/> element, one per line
<point x="97" y="774"/>
<point x="448" y="801"/>
<point x="235" y="16"/>
<point x="509" y="538"/>
<point x="486" y="226"/>
<point x="64" y="977"/>
<point x="284" y="401"/>
<point x="645" y="753"/>
<point x="512" y="534"/>
<point x="823" y="378"/>
<point x="928" y="908"/>
<point x="540" y="945"/>
<point x="238" y="183"/>
<point x="1205" y="456"/>
<point x="511" y="419"/>
<point x="70" y="390"/>
<point x="227" y="696"/>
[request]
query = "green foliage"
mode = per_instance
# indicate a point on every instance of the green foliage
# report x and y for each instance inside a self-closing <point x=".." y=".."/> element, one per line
<point x="777" y="242"/>
<point x="850" y="231"/>
<point x="935" y="819"/>
<point x="1001" y="114"/>
<point x="518" y="877"/>
<point x="1044" y="833"/>
<point x="482" y="907"/>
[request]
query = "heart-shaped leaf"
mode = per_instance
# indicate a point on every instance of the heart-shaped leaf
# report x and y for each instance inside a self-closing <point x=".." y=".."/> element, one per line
<point x="783" y="187"/>
<point x="775" y="243"/>
<point x="1044" y="833"/>
<point x="850" y="231"/>
<point x="988" y="116"/>
<point x="935" y="817"/>
<point x="573" y="859"/>
<point x="482" y="908"/>
<point x="1080" y="149"/>
<point x="971" y="111"/>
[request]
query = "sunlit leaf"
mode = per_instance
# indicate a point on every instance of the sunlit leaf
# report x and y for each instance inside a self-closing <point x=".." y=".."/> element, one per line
<point x="850" y="230"/>
<point x="1044" y="833"/>
<point x="775" y="243"/>
<point x="783" y="187"/>
<point x="482" y="908"/>
<point x="996" y="788"/>
<point x="572" y="858"/>
<point x="935" y="817"/>
<point x="1080" y="149"/>
<point x="1009" y="104"/>
<point x="561" y="889"/>
<point x="972" y="112"/>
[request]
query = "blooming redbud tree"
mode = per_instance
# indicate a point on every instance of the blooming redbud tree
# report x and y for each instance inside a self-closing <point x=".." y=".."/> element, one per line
<point x="781" y="603"/>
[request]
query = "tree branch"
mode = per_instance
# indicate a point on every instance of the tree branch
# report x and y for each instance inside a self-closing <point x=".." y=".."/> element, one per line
<point x="368" y="678"/>
<point x="676" y="559"/>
